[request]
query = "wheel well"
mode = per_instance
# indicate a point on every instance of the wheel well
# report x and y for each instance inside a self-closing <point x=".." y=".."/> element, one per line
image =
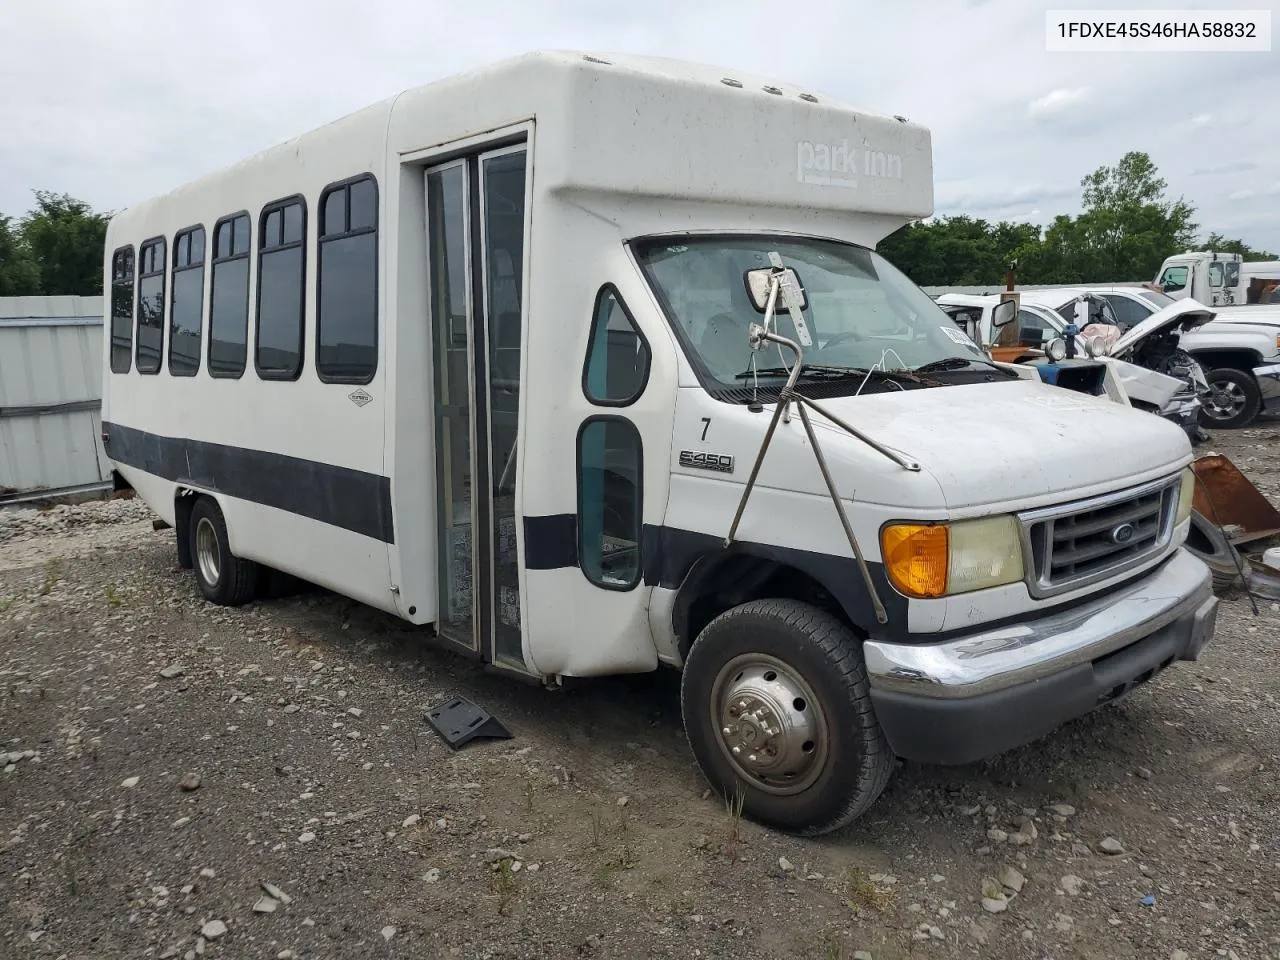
<point x="183" y="501"/>
<point x="1244" y="360"/>
<point x="729" y="581"/>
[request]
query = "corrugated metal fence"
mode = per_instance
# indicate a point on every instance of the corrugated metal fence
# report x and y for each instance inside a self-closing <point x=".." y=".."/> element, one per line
<point x="51" y="397"/>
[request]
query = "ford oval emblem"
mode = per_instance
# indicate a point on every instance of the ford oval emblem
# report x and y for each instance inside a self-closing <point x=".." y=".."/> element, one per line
<point x="1123" y="533"/>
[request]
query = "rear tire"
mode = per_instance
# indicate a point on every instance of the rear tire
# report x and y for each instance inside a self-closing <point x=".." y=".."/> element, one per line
<point x="788" y="683"/>
<point x="224" y="578"/>
<point x="1234" y="398"/>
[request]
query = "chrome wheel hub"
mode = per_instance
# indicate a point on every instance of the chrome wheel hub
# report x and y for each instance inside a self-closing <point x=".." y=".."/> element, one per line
<point x="772" y="728"/>
<point x="1226" y="399"/>
<point x="207" y="551"/>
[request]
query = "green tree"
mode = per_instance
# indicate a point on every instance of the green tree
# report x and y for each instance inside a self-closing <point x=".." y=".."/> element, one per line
<point x="64" y="237"/>
<point x="1221" y="244"/>
<point x="19" y="274"/>
<point x="1128" y="226"/>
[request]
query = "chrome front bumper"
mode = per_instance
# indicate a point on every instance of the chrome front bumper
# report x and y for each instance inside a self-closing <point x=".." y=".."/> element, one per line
<point x="1178" y="592"/>
<point x="1268" y="378"/>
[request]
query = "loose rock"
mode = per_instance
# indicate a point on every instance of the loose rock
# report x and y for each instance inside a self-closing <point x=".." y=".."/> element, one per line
<point x="388" y="932"/>
<point x="1112" y="846"/>
<point x="1013" y="879"/>
<point x="996" y="835"/>
<point x="129" y="782"/>
<point x="785" y="865"/>
<point x="190" y="781"/>
<point x="213" y="929"/>
<point x="994" y="906"/>
<point x="266" y="905"/>
<point x="1072" y="885"/>
<point x="172" y="671"/>
<point x="1063" y="809"/>
<point x="276" y="893"/>
<point x="433" y="875"/>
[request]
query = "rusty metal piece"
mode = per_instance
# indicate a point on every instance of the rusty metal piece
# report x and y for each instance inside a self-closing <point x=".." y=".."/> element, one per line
<point x="1229" y="499"/>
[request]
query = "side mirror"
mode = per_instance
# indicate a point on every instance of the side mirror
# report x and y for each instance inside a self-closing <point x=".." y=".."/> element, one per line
<point x="1003" y="313"/>
<point x="757" y="282"/>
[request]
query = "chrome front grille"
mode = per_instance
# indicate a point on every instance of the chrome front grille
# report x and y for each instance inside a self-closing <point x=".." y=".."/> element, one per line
<point x="1072" y="545"/>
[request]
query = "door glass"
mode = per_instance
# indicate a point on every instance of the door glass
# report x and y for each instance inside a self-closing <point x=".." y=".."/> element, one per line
<point x="503" y="183"/>
<point x="450" y="313"/>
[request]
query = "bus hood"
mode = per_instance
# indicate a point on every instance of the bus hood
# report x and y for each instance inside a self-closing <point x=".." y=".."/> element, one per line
<point x="1014" y="444"/>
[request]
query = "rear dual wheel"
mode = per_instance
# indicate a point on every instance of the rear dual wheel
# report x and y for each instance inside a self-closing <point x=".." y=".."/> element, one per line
<point x="777" y="709"/>
<point x="223" y="577"/>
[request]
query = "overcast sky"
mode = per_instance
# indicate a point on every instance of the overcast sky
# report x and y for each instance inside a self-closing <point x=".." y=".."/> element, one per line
<point x="116" y="101"/>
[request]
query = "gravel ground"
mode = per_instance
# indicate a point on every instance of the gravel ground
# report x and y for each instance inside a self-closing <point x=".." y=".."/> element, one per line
<point x="187" y="780"/>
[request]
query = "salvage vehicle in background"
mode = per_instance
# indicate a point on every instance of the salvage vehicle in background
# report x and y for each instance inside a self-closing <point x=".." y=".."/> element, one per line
<point x="1220" y="279"/>
<point x="752" y="475"/>
<point x="1238" y="350"/>
<point x="1157" y="376"/>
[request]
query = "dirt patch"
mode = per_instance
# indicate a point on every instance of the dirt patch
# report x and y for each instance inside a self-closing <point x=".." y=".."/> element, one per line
<point x="590" y="833"/>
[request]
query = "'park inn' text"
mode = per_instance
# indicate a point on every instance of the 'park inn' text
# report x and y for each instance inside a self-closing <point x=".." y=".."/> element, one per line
<point x="839" y="165"/>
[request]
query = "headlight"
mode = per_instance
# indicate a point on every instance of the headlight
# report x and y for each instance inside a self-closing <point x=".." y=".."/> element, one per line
<point x="939" y="559"/>
<point x="1185" y="495"/>
<point x="1056" y="349"/>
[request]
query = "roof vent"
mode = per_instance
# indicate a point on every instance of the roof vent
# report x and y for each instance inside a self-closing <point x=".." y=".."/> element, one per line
<point x="590" y="59"/>
<point x="730" y="82"/>
<point x="900" y="119"/>
<point x="776" y="91"/>
<point x="809" y="96"/>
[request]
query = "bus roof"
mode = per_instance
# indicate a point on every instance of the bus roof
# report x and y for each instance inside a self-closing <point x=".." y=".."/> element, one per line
<point x="639" y="126"/>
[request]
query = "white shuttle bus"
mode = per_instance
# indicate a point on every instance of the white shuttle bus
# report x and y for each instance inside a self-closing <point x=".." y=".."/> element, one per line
<point x="587" y="364"/>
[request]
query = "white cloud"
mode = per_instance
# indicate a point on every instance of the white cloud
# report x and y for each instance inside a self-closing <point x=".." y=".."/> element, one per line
<point x="1200" y="120"/>
<point x="1057" y="101"/>
<point x="159" y="93"/>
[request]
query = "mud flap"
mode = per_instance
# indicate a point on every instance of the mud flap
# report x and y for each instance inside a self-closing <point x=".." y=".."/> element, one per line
<point x="460" y="721"/>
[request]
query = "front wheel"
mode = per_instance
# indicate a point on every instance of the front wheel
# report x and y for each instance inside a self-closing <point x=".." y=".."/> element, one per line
<point x="777" y="709"/>
<point x="1233" y="399"/>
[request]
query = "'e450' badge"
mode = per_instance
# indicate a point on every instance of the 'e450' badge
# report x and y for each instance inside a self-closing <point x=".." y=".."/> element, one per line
<point x="697" y="460"/>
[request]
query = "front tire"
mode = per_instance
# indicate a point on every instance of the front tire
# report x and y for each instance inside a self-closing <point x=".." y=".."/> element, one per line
<point x="224" y="578"/>
<point x="784" y="683"/>
<point x="1234" y="398"/>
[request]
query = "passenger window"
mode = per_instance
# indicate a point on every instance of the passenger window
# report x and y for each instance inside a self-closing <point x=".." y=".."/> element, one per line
<point x="347" y="285"/>
<point x="150" y="306"/>
<point x="187" y="308"/>
<point x="610" y="478"/>
<point x="1033" y="329"/>
<point x="122" y="310"/>
<point x="1174" y="279"/>
<point x="1215" y="274"/>
<point x="617" y="366"/>
<point x="1128" y="312"/>
<point x="282" y="267"/>
<point x="229" y="297"/>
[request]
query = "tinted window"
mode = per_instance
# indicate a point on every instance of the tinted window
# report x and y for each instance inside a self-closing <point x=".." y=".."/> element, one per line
<point x="122" y="310"/>
<point x="609" y="485"/>
<point x="617" y="356"/>
<point x="347" y="291"/>
<point x="150" y="306"/>
<point x="187" y="308"/>
<point x="281" y="268"/>
<point x="229" y="297"/>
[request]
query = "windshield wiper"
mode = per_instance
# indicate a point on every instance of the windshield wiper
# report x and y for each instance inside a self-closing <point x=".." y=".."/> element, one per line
<point x="950" y="363"/>
<point x="814" y="370"/>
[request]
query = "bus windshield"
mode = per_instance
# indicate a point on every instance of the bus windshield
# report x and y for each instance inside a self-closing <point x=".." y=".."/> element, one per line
<point x="862" y="313"/>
